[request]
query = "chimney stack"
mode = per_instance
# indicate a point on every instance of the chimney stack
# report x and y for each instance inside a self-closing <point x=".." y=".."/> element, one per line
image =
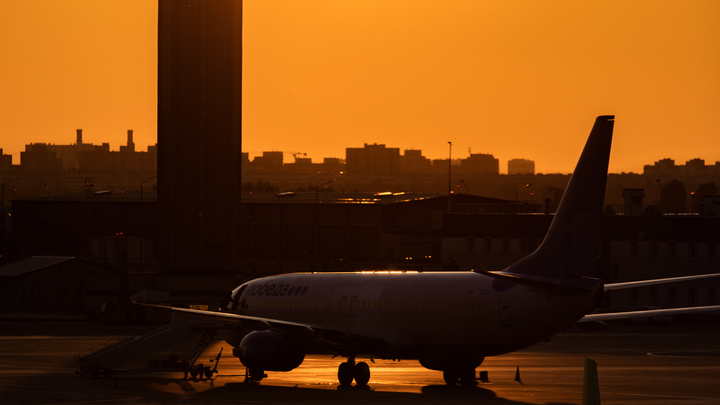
<point x="78" y="141"/>
<point x="130" y="143"/>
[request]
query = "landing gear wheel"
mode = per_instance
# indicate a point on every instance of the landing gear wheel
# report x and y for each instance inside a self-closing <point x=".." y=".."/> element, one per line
<point x="346" y="373"/>
<point x="467" y="377"/>
<point x="254" y="375"/>
<point x="193" y="372"/>
<point x="451" y="377"/>
<point x="208" y="373"/>
<point x="362" y="373"/>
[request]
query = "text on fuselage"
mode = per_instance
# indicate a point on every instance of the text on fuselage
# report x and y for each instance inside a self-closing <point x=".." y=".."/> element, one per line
<point x="277" y="290"/>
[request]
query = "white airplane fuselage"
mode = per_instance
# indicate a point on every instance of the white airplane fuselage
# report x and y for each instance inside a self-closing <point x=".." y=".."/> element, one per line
<point x="417" y="314"/>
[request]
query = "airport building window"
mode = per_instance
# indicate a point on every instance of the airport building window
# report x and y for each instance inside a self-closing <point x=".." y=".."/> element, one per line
<point x="616" y="271"/>
<point x="470" y="245"/>
<point x="488" y="246"/>
<point x="634" y="295"/>
<point x="654" y="250"/>
<point x="523" y="246"/>
<point x="506" y="246"/>
<point x="711" y="251"/>
<point x="634" y="249"/>
<point x="711" y="296"/>
<point x="692" y="295"/>
<point x="653" y="294"/>
<point x="672" y="294"/>
<point x="692" y="250"/>
<point x="672" y="247"/>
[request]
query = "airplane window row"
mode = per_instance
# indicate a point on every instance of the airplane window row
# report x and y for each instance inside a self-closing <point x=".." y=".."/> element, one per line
<point x="367" y="304"/>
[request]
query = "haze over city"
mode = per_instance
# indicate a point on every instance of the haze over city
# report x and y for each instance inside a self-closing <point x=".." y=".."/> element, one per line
<point x="517" y="80"/>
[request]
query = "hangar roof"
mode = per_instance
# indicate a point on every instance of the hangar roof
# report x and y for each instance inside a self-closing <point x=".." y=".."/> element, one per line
<point x="31" y="264"/>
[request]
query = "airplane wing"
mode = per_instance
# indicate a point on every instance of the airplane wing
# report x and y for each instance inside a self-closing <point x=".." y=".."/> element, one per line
<point x="249" y="322"/>
<point x="643" y="283"/>
<point x="645" y="314"/>
<point x="337" y="336"/>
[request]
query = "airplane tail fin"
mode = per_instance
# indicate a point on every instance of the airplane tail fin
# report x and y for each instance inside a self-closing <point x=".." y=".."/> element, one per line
<point x="570" y="246"/>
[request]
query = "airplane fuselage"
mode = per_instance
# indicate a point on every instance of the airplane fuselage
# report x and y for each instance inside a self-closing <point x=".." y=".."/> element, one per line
<point x="413" y="315"/>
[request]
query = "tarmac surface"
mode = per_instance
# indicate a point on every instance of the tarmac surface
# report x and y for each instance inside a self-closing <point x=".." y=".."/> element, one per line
<point x="678" y="364"/>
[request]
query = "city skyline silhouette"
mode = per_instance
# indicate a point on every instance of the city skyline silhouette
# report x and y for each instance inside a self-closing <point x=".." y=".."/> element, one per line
<point x="514" y="80"/>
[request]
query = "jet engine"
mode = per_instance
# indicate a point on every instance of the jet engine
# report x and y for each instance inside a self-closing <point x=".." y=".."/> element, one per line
<point x="270" y="351"/>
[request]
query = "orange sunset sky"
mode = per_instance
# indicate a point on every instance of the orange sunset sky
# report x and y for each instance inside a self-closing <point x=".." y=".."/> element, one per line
<point x="518" y="79"/>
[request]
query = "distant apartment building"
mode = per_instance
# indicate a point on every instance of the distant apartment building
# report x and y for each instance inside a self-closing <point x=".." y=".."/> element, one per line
<point x="87" y="157"/>
<point x="113" y="162"/>
<point x="68" y="154"/>
<point x="480" y="163"/>
<point x="693" y="167"/>
<point x="5" y="162"/>
<point x="38" y="158"/>
<point x="373" y="160"/>
<point x="412" y="161"/>
<point x="521" y="166"/>
<point x="269" y="162"/>
<point x="302" y="165"/>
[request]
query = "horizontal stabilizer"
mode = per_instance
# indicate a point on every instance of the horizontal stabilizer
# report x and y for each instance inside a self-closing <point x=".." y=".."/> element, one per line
<point x="645" y="314"/>
<point x="644" y="283"/>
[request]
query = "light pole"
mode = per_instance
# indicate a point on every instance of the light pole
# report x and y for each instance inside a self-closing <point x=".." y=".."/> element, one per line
<point x="659" y="188"/>
<point x="2" y="212"/>
<point x="518" y="190"/>
<point x="449" y="173"/>
<point x="3" y="201"/>
<point x="317" y="191"/>
<point x="141" y="186"/>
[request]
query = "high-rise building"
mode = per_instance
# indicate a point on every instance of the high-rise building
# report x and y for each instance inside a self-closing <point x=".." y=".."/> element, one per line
<point x="480" y="163"/>
<point x="373" y="160"/>
<point x="521" y="166"/>
<point x="199" y="135"/>
<point x="130" y="147"/>
<point x="5" y="162"/>
<point x="38" y="158"/>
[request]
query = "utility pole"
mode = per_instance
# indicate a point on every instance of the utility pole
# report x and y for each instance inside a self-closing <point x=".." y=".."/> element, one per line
<point x="449" y="173"/>
<point x="141" y="186"/>
<point x="2" y="213"/>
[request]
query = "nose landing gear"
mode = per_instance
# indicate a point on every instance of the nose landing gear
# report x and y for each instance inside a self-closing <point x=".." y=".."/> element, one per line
<point x="349" y="371"/>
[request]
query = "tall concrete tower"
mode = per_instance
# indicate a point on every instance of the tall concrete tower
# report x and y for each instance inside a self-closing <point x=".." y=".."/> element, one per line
<point x="199" y="135"/>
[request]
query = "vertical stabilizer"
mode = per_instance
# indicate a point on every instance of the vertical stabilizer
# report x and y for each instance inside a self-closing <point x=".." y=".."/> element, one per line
<point x="570" y="246"/>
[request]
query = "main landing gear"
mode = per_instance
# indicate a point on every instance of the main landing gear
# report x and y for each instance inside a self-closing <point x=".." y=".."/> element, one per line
<point x="466" y="376"/>
<point x="349" y="371"/>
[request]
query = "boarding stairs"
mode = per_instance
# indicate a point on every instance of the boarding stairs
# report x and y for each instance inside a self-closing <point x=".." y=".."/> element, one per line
<point x="103" y="359"/>
<point x="199" y="348"/>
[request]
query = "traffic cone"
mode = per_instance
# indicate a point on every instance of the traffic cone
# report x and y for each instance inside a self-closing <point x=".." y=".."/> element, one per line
<point x="517" y="375"/>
